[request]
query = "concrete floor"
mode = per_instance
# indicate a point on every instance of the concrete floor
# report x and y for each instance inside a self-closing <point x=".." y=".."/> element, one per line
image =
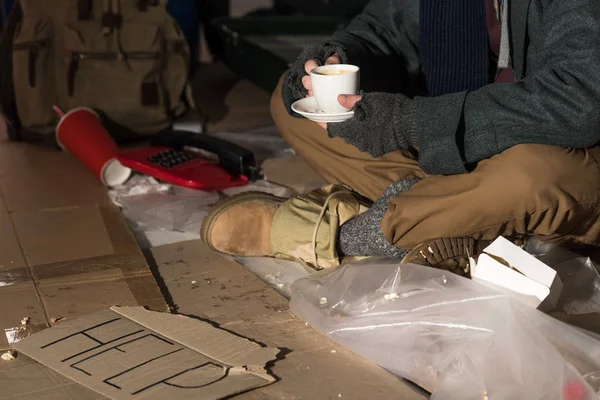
<point x="229" y="102"/>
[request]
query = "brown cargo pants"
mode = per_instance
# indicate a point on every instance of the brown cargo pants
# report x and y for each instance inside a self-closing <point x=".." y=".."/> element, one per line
<point x="549" y="192"/>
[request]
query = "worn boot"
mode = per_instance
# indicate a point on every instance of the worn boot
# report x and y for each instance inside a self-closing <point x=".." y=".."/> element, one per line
<point x="302" y="228"/>
<point x="452" y="254"/>
<point x="240" y="225"/>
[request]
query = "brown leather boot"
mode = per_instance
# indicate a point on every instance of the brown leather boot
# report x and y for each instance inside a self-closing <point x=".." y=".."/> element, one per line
<point x="448" y="254"/>
<point x="240" y="225"/>
<point x="452" y="254"/>
<point x="301" y="228"/>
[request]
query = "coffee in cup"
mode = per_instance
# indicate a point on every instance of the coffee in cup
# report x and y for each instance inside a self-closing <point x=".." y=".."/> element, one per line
<point x="332" y="71"/>
<point x="329" y="81"/>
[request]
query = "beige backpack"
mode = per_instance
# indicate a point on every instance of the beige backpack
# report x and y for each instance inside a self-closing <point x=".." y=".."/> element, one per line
<point x="126" y="59"/>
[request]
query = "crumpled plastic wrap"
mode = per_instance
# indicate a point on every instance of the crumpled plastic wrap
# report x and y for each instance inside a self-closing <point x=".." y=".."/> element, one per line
<point x="452" y="336"/>
<point x="579" y="275"/>
<point x="150" y="205"/>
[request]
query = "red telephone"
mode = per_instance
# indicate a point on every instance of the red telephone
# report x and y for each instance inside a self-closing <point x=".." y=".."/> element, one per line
<point x="173" y="157"/>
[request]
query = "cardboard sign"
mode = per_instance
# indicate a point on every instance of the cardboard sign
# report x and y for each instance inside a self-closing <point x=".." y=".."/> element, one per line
<point x="130" y="352"/>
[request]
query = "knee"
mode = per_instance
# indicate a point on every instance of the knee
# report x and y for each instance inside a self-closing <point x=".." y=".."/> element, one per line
<point x="534" y="171"/>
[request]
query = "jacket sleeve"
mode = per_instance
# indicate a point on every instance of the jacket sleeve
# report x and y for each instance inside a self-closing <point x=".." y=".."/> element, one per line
<point x="383" y="42"/>
<point x="557" y="103"/>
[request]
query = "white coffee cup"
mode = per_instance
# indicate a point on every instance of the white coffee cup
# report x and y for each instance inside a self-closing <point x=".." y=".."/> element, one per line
<point x="329" y="81"/>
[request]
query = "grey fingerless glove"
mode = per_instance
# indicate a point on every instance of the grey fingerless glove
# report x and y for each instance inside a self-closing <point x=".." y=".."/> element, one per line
<point x="292" y="84"/>
<point x="382" y="123"/>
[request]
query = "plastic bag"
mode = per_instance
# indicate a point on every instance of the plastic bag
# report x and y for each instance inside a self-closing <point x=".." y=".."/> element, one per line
<point x="580" y="277"/>
<point x="151" y="206"/>
<point x="179" y="210"/>
<point x="452" y="336"/>
<point x="138" y="184"/>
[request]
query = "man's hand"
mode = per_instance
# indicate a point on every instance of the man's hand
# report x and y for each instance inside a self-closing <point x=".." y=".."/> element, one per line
<point x="312" y="64"/>
<point x="296" y="82"/>
<point x="382" y="123"/>
<point x="346" y="100"/>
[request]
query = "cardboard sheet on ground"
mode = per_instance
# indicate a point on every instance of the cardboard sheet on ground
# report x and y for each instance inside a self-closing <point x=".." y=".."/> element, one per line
<point x="130" y="352"/>
<point x="65" y="251"/>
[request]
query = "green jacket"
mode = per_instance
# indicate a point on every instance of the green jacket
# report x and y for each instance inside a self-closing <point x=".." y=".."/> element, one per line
<point x="555" y="55"/>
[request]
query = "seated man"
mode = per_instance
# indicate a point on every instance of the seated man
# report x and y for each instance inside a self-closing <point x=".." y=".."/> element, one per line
<point x="479" y="119"/>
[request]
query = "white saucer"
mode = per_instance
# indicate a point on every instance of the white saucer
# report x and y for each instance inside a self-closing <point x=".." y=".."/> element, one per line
<point x="308" y="108"/>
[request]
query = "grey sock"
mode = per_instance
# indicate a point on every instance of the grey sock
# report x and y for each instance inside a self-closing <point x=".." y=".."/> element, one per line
<point x="362" y="235"/>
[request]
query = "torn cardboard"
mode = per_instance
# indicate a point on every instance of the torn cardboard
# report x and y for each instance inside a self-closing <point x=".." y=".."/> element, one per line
<point x="65" y="250"/>
<point x="130" y="351"/>
<point x="25" y="379"/>
<point x="527" y="278"/>
<point x="209" y="285"/>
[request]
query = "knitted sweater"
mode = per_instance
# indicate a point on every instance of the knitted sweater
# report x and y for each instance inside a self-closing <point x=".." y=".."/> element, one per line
<point x="555" y="98"/>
